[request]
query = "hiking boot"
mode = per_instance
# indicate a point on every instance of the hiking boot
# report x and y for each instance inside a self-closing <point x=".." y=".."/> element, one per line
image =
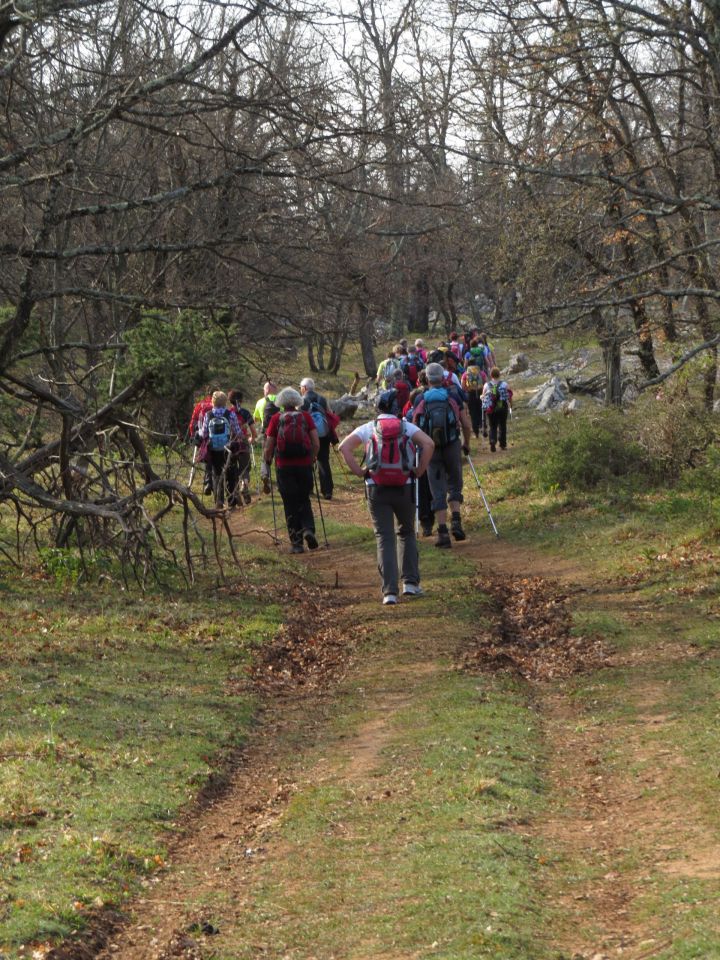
<point x="389" y="599"/>
<point x="267" y="489"/>
<point x="413" y="590"/>
<point x="443" y="537"/>
<point x="427" y="529"/>
<point x="492" y="448"/>
<point x="246" y="496"/>
<point x="456" y="527"/>
<point x="207" y="490"/>
<point x="311" y="540"/>
<point x="297" y="548"/>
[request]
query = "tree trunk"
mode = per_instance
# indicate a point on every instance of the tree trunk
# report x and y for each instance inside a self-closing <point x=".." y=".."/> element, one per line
<point x="419" y="312"/>
<point x="646" y="351"/>
<point x="311" y="356"/>
<point x="366" y="332"/>
<point x="610" y="344"/>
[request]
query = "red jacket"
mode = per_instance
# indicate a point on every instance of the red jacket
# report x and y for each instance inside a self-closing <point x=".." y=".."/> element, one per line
<point x="198" y="415"/>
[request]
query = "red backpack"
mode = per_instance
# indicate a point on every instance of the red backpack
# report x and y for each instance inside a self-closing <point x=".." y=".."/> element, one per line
<point x="389" y="455"/>
<point x="293" y="436"/>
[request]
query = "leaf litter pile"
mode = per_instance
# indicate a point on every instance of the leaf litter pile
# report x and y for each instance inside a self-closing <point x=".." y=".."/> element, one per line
<point x="527" y="630"/>
<point x="310" y="650"/>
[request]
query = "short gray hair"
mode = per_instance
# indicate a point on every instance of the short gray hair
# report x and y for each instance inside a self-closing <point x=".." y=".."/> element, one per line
<point x="288" y="397"/>
<point x="308" y="383"/>
<point x="435" y="373"/>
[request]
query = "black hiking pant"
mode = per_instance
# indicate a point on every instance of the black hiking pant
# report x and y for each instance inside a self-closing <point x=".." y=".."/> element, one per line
<point x="476" y="411"/>
<point x="223" y="474"/>
<point x="325" y="476"/>
<point x="498" y="427"/>
<point x="425" y="510"/>
<point x="295" y="485"/>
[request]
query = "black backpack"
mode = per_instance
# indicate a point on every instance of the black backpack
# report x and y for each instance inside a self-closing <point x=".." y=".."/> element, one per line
<point x="269" y="411"/>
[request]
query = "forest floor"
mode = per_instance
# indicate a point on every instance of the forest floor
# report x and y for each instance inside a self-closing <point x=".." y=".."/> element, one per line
<point x="501" y="768"/>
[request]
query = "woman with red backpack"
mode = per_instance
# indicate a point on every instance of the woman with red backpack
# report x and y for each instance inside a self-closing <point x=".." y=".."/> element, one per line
<point x="389" y="469"/>
<point x="291" y="439"/>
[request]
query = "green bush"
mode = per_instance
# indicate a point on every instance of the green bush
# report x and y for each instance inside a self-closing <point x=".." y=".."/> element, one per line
<point x="583" y="453"/>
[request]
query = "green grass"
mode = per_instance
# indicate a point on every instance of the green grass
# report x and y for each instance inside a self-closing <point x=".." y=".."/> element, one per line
<point x="117" y="712"/>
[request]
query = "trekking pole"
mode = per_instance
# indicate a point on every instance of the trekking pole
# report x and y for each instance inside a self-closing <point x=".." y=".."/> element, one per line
<point x="322" y="518"/>
<point x="482" y="494"/>
<point x="192" y="465"/>
<point x="272" y="500"/>
<point x="417" y="495"/>
<point x="253" y="465"/>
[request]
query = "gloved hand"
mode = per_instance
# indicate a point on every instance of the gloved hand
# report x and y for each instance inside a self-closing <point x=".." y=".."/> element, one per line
<point x="466" y="450"/>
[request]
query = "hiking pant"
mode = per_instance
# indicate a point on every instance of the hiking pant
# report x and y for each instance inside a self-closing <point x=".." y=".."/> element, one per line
<point x="242" y="465"/>
<point x="295" y="485"/>
<point x="445" y="475"/>
<point x="498" y="427"/>
<point x="386" y="505"/>
<point x="425" y="511"/>
<point x="475" y="409"/>
<point x="325" y="476"/>
<point x="223" y="474"/>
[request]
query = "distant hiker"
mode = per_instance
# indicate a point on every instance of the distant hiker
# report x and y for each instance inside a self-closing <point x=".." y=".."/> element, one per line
<point x="265" y="408"/>
<point x="421" y="351"/>
<point x="455" y="345"/>
<point x="195" y="434"/>
<point x="441" y="413"/>
<point x="243" y="457"/>
<point x="490" y="361"/>
<point x="326" y="422"/>
<point x="410" y="365"/>
<point x="292" y="439"/>
<point x="388" y="470"/>
<point x="496" y="400"/>
<point x="473" y="382"/>
<point x="222" y="433"/>
<point x="389" y="368"/>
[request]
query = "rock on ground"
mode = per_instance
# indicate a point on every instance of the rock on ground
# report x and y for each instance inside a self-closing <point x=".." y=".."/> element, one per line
<point x="518" y="363"/>
<point x="549" y="396"/>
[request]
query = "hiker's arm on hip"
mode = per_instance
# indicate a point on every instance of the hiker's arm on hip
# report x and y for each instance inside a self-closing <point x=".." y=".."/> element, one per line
<point x="350" y="443"/>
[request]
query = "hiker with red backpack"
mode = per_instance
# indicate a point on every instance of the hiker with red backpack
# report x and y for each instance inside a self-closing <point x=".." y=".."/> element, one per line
<point x="242" y="454"/>
<point x="496" y="400"/>
<point x="195" y="434"/>
<point x="388" y="469"/>
<point x="326" y="422"/>
<point x="221" y="433"/>
<point x="291" y="438"/>
<point x="442" y="414"/>
<point x="411" y="364"/>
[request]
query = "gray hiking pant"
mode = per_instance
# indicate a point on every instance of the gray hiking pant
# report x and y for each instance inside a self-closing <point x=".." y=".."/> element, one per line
<point x="445" y="475"/>
<point x="386" y="505"/>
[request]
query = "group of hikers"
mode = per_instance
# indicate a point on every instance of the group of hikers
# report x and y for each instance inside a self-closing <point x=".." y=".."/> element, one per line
<point x="429" y="406"/>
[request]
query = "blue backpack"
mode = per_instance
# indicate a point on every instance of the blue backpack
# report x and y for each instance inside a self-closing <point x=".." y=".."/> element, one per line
<point x="218" y="430"/>
<point x="319" y="418"/>
<point x="438" y="416"/>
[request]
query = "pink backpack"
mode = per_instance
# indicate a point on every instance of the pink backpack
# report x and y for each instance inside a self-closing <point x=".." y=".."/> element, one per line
<point x="389" y="455"/>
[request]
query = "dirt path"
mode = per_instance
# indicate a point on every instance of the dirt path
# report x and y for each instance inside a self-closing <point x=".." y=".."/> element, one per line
<point x="596" y="815"/>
